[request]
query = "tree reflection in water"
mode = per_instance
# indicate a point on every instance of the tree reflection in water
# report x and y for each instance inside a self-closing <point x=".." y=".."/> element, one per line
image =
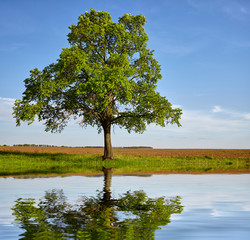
<point x="133" y="215"/>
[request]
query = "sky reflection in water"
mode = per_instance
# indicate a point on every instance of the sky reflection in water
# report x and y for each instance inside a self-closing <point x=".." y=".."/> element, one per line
<point x="216" y="206"/>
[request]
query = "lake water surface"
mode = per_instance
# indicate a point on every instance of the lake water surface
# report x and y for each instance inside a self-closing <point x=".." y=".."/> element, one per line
<point x="215" y="206"/>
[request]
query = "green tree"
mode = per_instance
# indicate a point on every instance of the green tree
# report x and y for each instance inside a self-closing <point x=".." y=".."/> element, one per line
<point x="106" y="77"/>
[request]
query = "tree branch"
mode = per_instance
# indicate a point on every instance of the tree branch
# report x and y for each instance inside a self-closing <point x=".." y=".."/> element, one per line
<point x="103" y="58"/>
<point x="63" y="120"/>
<point x="127" y="115"/>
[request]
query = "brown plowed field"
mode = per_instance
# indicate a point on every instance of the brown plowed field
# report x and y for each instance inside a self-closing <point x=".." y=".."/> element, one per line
<point x="220" y="153"/>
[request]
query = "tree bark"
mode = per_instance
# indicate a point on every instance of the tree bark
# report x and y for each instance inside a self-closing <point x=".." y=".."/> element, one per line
<point x="108" y="150"/>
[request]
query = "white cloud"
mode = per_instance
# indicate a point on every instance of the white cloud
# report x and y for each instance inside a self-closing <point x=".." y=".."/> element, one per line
<point x="9" y="101"/>
<point x="246" y="116"/>
<point x="177" y="106"/>
<point x="217" y="109"/>
<point x="203" y="121"/>
<point x="206" y="123"/>
<point x="200" y="129"/>
<point x="231" y="113"/>
<point x="246" y="207"/>
<point x="6" y="105"/>
<point x="6" y="110"/>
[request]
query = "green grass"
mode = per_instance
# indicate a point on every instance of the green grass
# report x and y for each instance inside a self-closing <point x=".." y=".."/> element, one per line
<point x="15" y="163"/>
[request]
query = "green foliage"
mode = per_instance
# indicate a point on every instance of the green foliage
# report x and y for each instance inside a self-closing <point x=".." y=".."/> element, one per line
<point x="132" y="215"/>
<point x="107" y="76"/>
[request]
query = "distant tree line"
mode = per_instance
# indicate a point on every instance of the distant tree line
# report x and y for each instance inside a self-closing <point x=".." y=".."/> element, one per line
<point x="46" y="145"/>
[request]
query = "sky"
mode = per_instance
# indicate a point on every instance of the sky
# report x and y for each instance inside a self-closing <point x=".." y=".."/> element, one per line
<point x="203" y="47"/>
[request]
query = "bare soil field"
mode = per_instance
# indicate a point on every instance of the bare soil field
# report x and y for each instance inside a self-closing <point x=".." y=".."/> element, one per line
<point x="220" y="153"/>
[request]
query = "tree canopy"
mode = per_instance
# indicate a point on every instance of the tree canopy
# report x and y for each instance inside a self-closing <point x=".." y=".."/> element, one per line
<point x="108" y="76"/>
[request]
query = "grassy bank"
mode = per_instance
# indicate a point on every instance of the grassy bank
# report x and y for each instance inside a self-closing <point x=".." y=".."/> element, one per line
<point x="16" y="163"/>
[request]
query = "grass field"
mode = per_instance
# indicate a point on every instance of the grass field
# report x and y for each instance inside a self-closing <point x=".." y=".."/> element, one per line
<point x="25" y="161"/>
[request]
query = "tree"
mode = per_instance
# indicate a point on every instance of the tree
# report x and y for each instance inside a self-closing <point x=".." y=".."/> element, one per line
<point x="133" y="215"/>
<point x="106" y="77"/>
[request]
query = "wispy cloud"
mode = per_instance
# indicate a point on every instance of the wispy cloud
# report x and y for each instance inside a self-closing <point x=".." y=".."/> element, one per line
<point x="6" y="110"/>
<point x="218" y="120"/>
<point x="236" y="10"/>
<point x="211" y="123"/>
<point x="180" y="42"/>
<point x="178" y="49"/>
<point x="232" y="8"/>
<point x="246" y="116"/>
<point x="8" y="101"/>
<point x="231" y="113"/>
<point x="11" y="47"/>
<point x="6" y="105"/>
<point x="242" y="44"/>
<point x="198" y="4"/>
<point x="217" y="109"/>
<point x="215" y="127"/>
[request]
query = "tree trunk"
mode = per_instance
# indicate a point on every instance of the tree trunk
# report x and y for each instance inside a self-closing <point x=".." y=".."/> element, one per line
<point x="108" y="150"/>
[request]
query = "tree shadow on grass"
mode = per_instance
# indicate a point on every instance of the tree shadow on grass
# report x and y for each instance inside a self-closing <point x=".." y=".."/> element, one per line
<point x="32" y="154"/>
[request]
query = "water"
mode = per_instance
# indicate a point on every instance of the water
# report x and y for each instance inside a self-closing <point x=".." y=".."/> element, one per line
<point x="216" y="206"/>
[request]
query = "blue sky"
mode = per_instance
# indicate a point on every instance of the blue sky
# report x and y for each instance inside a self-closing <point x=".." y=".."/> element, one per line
<point x="203" y="47"/>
